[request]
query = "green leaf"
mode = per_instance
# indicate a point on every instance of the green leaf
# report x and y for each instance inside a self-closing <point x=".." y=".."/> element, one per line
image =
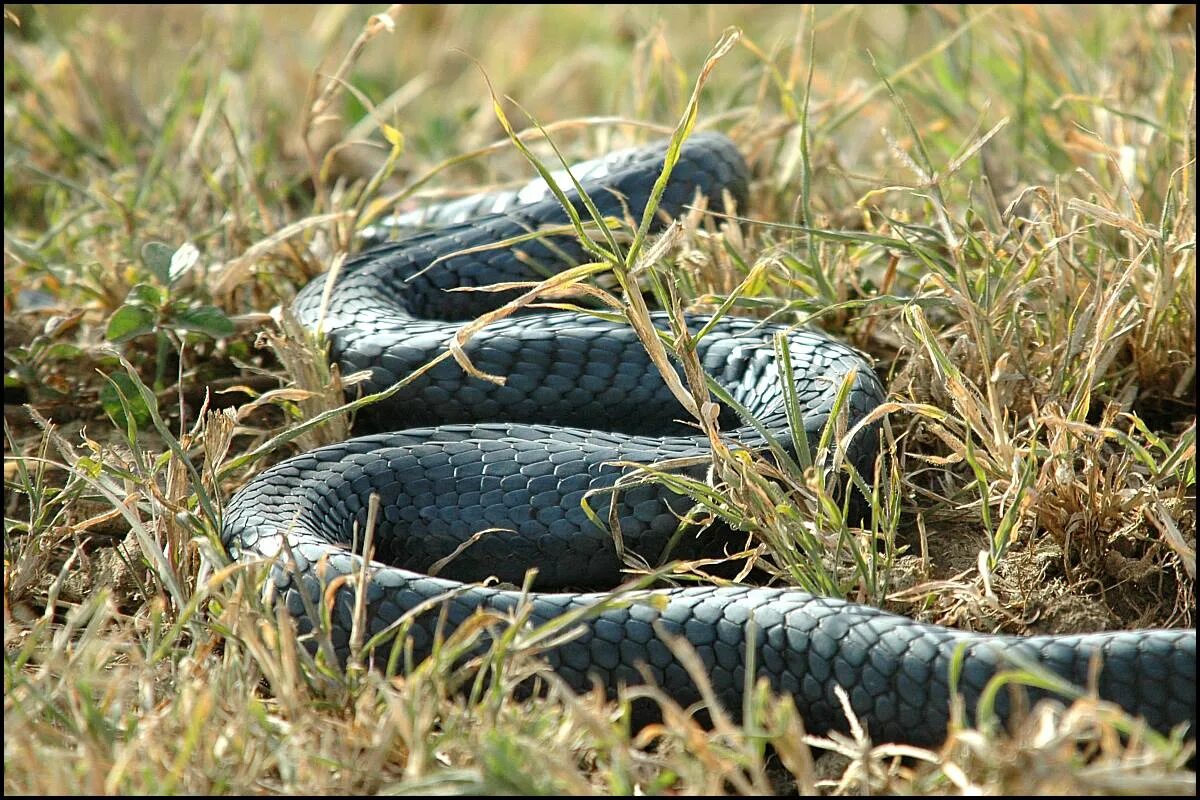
<point x="63" y="351"/>
<point x="17" y="355"/>
<point x="183" y="261"/>
<point x="157" y="258"/>
<point x="204" y="319"/>
<point x="147" y="294"/>
<point x="128" y="322"/>
<point x="114" y="404"/>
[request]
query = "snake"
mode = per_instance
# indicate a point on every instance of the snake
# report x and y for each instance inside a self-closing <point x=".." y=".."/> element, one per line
<point x="488" y="478"/>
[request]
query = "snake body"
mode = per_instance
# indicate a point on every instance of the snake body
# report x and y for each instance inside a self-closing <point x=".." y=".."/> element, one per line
<point x="581" y="401"/>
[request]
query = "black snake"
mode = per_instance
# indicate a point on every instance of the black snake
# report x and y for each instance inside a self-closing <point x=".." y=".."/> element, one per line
<point x="581" y="394"/>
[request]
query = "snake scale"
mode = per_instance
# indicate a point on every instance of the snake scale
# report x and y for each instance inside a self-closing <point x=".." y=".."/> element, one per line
<point x="451" y="455"/>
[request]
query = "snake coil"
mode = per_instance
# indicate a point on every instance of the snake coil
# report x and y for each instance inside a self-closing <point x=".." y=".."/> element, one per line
<point x="581" y="397"/>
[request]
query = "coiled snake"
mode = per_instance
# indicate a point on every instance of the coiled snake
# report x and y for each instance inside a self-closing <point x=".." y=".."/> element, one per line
<point x="581" y="394"/>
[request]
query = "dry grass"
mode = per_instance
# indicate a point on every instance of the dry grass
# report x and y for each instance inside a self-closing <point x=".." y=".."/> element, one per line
<point x="996" y="203"/>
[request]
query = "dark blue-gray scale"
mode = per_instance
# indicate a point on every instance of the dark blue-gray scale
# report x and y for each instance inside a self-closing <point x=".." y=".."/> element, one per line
<point x="514" y="464"/>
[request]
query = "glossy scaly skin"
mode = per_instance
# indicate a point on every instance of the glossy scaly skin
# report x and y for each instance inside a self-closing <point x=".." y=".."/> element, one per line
<point x="580" y="395"/>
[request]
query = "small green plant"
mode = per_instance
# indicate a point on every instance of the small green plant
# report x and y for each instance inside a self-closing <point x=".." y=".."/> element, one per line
<point x="33" y="368"/>
<point x="153" y="306"/>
